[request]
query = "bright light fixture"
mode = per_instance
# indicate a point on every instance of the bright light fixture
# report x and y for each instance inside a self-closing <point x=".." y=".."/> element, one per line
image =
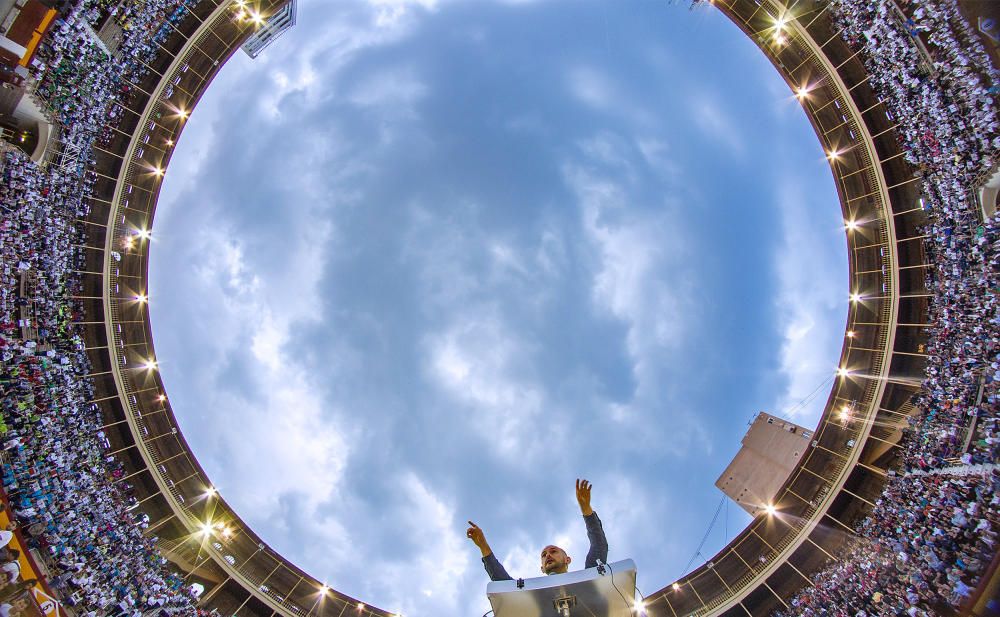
<point x="851" y="225"/>
<point x="770" y="509"/>
<point x="676" y="587"/>
<point x="842" y="372"/>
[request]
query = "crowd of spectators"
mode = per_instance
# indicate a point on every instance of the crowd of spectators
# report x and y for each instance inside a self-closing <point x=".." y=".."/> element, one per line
<point x="82" y="82"/>
<point x="60" y="484"/>
<point x="927" y="538"/>
<point x="919" y="553"/>
<point x="928" y="541"/>
<point x="66" y="492"/>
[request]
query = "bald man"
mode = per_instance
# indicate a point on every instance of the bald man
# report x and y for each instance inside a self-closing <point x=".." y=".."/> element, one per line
<point x="554" y="560"/>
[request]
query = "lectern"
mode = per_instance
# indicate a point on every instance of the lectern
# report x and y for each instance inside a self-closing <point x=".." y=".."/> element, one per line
<point x="604" y="591"/>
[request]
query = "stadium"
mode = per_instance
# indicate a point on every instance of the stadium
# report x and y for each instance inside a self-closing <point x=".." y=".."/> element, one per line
<point x="903" y="100"/>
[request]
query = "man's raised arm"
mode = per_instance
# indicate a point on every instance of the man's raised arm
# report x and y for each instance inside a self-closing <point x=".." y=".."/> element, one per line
<point x="595" y="531"/>
<point x="493" y="566"/>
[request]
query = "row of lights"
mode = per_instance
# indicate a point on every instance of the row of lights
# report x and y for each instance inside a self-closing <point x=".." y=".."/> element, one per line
<point x="770" y="509"/>
<point x="243" y="12"/>
<point x="833" y="155"/>
<point x="209" y="527"/>
<point x="802" y="92"/>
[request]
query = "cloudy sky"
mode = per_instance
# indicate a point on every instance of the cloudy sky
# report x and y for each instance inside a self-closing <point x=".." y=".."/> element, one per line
<point x="431" y="261"/>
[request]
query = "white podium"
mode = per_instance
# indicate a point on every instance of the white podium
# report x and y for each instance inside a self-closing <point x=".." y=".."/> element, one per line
<point x="584" y="593"/>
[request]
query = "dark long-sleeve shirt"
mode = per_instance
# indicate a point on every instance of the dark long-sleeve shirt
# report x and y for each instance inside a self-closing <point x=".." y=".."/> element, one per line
<point x="598" y="550"/>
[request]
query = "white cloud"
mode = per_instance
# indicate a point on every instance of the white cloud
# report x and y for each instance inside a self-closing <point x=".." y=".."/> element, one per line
<point x="656" y="153"/>
<point x="310" y="455"/>
<point x="480" y="364"/>
<point x="599" y="91"/>
<point x="392" y="87"/>
<point x="644" y="277"/>
<point x="636" y="252"/>
<point x="441" y="556"/>
<point x="389" y="13"/>
<point x="812" y="298"/>
<point x="716" y="123"/>
<point x="591" y="87"/>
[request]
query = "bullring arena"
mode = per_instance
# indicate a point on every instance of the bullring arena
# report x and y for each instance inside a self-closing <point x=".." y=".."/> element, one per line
<point x="893" y="509"/>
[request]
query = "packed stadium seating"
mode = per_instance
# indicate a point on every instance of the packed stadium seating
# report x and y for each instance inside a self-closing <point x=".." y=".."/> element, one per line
<point x="921" y="551"/>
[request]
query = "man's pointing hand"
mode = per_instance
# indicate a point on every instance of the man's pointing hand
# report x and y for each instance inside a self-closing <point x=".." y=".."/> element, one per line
<point x="478" y="538"/>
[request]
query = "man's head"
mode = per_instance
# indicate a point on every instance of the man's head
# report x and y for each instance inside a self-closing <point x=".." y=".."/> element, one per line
<point x="555" y="560"/>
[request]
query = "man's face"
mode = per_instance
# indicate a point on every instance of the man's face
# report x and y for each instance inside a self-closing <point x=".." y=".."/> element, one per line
<point x="554" y="560"/>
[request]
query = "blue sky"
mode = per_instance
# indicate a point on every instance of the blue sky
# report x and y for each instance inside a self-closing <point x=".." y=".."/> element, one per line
<point x="425" y="262"/>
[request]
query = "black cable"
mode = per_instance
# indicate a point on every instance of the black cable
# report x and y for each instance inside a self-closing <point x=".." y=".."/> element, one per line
<point x="487" y="612"/>
<point x="624" y="599"/>
<point x="705" y="537"/>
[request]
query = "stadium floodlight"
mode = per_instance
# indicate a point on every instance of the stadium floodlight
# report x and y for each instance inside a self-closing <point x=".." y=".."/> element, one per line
<point x="833" y="155"/>
<point x="158" y="172"/>
<point x="141" y="299"/>
<point x="851" y="225"/>
<point x="856" y="297"/>
<point x="842" y="372"/>
<point x="144" y="233"/>
<point x="361" y="606"/>
<point x="676" y="586"/>
<point x="802" y="92"/>
<point x="770" y="509"/>
<point x="850" y="334"/>
<point x="639" y="607"/>
<point x="211" y="492"/>
<point x="162" y="398"/>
